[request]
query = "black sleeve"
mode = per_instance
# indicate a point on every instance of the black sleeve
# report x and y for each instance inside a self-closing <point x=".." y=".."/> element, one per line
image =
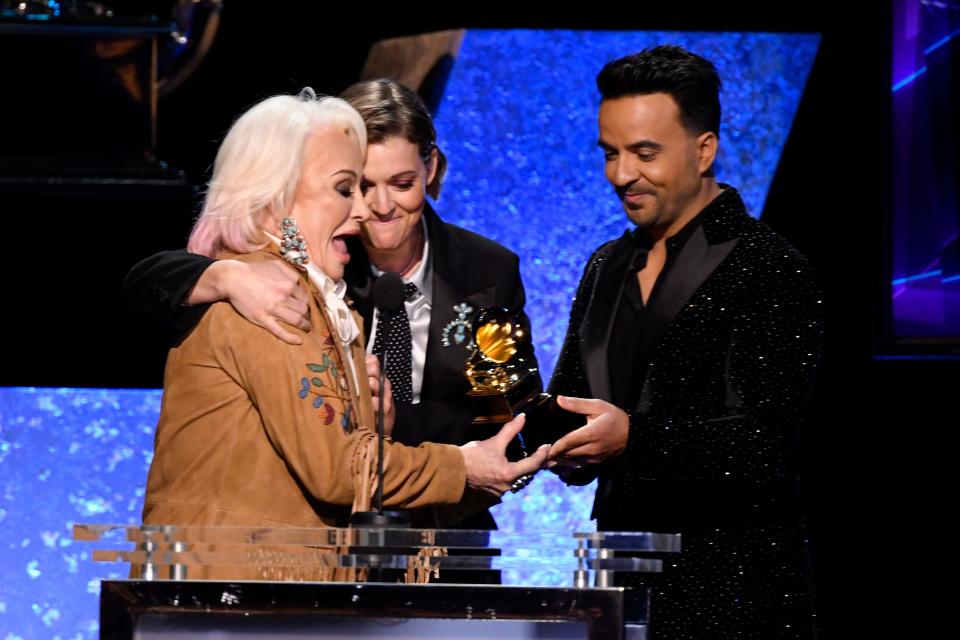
<point x="569" y="377"/>
<point x="157" y="288"/>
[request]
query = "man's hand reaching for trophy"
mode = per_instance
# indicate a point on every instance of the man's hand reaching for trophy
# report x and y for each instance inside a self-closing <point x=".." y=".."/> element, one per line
<point x="603" y="437"/>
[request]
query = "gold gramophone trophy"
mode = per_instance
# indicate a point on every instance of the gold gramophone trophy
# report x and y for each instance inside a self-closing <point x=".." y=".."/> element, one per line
<point x="503" y="383"/>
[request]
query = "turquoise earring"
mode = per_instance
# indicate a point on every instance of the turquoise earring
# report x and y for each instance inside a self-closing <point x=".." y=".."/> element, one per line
<point x="293" y="248"/>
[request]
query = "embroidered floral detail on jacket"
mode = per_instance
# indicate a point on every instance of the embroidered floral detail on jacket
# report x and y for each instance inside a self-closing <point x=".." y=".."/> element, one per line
<point x="322" y="368"/>
<point x="325" y="381"/>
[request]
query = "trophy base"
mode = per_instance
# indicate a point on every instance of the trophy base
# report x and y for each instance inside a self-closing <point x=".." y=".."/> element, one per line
<point x="496" y="408"/>
<point x="546" y="422"/>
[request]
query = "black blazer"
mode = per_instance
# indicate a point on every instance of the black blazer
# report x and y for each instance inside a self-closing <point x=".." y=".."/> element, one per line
<point x="712" y="439"/>
<point x="738" y="343"/>
<point x="467" y="268"/>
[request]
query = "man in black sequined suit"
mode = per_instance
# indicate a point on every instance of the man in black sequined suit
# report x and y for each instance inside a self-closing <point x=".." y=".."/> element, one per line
<point x="692" y="347"/>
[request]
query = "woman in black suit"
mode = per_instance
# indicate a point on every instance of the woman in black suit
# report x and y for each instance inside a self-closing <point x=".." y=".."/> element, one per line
<point x="455" y="272"/>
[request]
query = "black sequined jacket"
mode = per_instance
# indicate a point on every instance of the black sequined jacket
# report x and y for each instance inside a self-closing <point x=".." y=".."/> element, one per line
<point x="713" y="438"/>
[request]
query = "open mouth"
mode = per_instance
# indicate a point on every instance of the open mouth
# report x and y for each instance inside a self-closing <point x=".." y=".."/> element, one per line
<point x="339" y="244"/>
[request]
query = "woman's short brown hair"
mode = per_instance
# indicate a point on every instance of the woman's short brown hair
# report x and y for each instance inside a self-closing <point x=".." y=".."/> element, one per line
<point x="389" y="108"/>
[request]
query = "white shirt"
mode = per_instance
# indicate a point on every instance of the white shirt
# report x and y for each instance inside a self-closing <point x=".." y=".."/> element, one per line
<point x="418" y="310"/>
<point x="345" y="327"/>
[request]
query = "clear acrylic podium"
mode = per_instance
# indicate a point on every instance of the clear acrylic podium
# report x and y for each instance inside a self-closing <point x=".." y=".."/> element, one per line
<point x="255" y="582"/>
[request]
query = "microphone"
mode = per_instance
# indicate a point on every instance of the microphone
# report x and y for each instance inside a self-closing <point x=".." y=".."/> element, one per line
<point x="387" y="296"/>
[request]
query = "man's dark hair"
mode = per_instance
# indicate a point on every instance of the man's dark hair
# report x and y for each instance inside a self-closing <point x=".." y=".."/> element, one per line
<point x="690" y="80"/>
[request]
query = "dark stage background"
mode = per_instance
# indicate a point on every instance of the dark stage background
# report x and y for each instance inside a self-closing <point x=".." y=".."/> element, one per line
<point x="877" y="452"/>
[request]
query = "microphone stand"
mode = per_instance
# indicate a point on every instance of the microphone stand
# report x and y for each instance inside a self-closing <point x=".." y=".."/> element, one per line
<point x="374" y="543"/>
<point x="380" y="518"/>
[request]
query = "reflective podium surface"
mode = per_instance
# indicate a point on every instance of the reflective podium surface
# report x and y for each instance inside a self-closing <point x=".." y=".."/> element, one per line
<point x="206" y="581"/>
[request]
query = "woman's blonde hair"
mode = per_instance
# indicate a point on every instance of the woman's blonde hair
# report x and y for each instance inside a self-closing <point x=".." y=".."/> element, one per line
<point x="257" y="168"/>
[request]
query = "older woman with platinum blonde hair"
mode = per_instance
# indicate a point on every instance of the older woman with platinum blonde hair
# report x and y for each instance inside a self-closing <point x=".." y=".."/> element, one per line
<point x="256" y="431"/>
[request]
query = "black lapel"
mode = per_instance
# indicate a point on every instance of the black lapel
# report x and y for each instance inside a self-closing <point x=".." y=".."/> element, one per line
<point x="460" y="289"/>
<point x="602" y="306"/>
<point x="723" y="222"/>
<point x="697" y="260"/>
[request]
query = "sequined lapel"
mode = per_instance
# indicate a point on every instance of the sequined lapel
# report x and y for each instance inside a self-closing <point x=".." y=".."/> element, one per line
<point x="697" y="260"/>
